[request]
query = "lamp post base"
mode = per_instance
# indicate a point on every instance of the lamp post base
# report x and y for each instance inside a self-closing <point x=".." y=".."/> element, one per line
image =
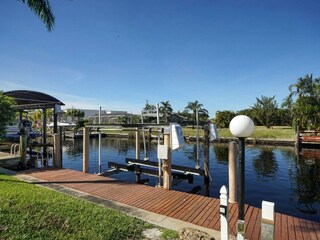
<point x="241" y="229"/>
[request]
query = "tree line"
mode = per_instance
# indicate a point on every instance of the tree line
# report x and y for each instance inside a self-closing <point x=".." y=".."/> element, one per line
<point x="300" y="109"/>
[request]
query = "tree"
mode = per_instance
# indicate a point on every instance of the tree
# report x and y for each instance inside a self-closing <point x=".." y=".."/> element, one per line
<point x="36" y="118"/>
<point x="149" y="107"/>
<point x="223" y="118"/>
<point x="166" y="110"/>
<point x="43" y="10"/>
<point x="193" y="106"/>
<point x="74" y="113"/>
<point x="7" y="113"/>
<point x="265" y="110"/>
<point x="250" y="113"/>
<point x="284" y="117"/>
<point x="303" y="102"/>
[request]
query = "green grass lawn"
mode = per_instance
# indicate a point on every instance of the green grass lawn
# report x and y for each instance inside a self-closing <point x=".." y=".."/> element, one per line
<point x="259" y="132"/>
<point x="31" y="212"/>
<point x="275" y="132"/>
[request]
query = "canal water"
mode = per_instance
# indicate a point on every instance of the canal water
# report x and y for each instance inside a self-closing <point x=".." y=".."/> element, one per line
<point x="273" y="174"/>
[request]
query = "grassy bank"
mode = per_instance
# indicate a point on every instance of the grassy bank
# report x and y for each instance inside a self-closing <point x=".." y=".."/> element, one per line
<point x="31" y="212"/>
<point x="259" y="132"/>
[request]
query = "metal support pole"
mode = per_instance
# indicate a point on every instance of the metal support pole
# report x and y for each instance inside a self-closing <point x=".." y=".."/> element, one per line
<point x="44" y="130"/>
<point x="144" y="139"/>
<point x="137" y="144"/>
<point x="206" y="146"/>
<point x="241" y="223"/>
<point x="197" y="122"/>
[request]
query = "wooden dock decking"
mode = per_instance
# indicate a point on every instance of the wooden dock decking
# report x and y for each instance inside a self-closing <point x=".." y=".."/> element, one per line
<point x="196" y="209"/>
<point x="7" y="159"/>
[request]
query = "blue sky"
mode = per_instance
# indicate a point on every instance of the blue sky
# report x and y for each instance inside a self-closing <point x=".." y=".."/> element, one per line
<point x="119" y="53"/>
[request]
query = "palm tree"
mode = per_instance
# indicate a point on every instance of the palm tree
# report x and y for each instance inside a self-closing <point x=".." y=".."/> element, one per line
<point x="43" y="10"/>
<point x="149" y="107"/>
<point x="166" y="110"/>
<point x="304" y="102"/>
<point x="193" y="107"/>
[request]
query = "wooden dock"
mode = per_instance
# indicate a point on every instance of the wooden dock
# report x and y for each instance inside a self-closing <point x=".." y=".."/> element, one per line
<point x="309" y="139"/>
<point x="7" y="159"/>
<point x="196" y="209"/>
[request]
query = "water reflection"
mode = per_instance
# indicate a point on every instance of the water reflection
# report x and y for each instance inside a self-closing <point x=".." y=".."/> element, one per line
<point x="265" y="164"/>
<point x="221" y="153"/>
<point x="190" y="152"/>
<point x="307" y="179"/>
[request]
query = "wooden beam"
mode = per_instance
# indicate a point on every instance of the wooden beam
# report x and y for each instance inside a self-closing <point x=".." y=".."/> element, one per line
<point x="167" y="178"/>
<point x="86" y="144"/>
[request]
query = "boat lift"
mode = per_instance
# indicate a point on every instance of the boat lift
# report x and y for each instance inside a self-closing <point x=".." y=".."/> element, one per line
<point x="172" y="137"/>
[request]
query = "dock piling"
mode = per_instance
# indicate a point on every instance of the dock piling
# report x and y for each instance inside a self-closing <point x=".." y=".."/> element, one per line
<point x="86" y="150"/>
<point x="232" y="172"/>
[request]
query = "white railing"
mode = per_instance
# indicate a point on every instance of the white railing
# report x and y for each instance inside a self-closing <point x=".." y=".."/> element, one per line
<point x="42" y="162"/>
<point x="13" y="150"/>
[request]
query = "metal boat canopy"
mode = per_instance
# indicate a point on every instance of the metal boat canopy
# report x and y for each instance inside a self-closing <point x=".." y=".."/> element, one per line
<point x="26" y="99"/>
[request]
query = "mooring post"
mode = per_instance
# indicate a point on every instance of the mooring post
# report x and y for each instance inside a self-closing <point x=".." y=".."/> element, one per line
<point x="44" y="131"/>
<point x="167" y="164"/>
<point x="57" y="150"/>
<point x="137" y="144"/>
<point x="224" y="215"/>
<point x="23" y="149"/>
<point x="137" y="169"/>
<point x="267" y="221"/>
<point x="233" y="172"/>
<point x="86" y="138"/>
<point x="206" y="147"/>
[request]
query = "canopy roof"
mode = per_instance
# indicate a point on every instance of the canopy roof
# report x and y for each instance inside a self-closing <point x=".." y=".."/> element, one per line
<point x="33" y="100"/>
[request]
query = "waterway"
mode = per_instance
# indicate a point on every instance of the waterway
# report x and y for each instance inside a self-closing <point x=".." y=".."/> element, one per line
<point x="275" y="174"/>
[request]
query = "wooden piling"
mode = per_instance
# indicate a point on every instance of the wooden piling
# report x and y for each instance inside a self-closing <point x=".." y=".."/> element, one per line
<point x="86" y="143"/>
<point x="232" y="172"/>
<point x="23" y="149"/>
<point x="206" y="147"/>
<point x="57" y="150"/>
<point x="167" y="178"/>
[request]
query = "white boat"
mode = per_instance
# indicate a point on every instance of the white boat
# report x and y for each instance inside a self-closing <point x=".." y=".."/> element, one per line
<point x="62" y="124"/>
<point x="13" y="130"/>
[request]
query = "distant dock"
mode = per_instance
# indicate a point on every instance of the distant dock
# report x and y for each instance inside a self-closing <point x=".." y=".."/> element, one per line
<point x="309" y="139"/>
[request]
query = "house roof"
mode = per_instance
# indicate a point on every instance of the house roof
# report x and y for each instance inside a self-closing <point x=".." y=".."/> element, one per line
<point x="26" y="99"/>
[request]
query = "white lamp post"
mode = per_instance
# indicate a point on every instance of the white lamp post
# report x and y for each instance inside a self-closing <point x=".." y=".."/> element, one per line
<point x="241" y="127"/>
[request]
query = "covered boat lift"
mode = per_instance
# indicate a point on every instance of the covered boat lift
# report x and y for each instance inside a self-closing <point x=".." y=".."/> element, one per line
<point x="30" y="100"/>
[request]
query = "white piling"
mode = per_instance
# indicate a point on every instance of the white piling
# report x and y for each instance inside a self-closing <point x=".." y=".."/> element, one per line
<point x="99" y="156"/>
<point x="86" y="143"/>
<point x="224" y="215"/>
<point x="267" y="221"/>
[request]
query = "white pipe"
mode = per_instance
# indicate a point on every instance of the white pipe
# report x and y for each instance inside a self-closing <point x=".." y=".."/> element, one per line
<point x="159" y="160"/>
<point x="197" y="121"/>
<point x="144" y="139"/>
<point x="100" y="167"/>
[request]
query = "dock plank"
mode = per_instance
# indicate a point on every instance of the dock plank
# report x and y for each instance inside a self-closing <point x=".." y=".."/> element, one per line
<point x="196" y="209"/>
